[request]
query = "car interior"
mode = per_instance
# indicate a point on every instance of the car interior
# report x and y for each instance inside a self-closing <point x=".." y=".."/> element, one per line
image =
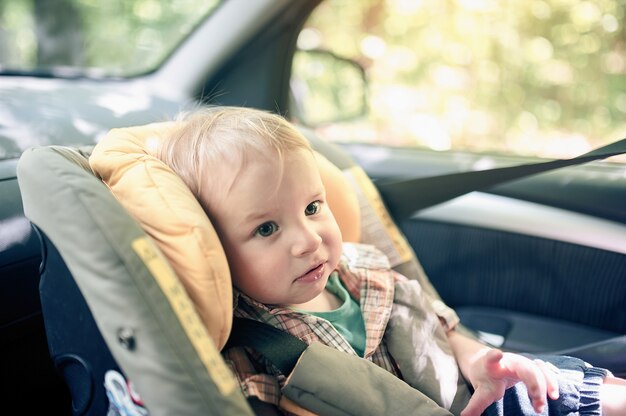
<point x="61" y="176"/>
<point x="533" y="265"/>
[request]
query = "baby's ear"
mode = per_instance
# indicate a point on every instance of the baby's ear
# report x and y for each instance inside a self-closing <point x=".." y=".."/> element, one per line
<point x="341" y="199"/>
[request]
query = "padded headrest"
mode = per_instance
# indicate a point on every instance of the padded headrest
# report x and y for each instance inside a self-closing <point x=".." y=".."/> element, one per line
<point x="167" y="210"/>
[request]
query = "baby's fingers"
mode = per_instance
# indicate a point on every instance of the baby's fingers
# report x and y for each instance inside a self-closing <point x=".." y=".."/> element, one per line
<point x="529" y="372"/>
<point x="550" y="372"/>
<point x="493" y="364"/>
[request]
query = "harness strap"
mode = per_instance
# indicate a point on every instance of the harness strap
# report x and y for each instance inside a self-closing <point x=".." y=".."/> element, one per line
<point x="280" y="347"/>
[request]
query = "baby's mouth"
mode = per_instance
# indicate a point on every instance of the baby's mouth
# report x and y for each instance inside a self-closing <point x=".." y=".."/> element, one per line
<point x="313" y="274"/>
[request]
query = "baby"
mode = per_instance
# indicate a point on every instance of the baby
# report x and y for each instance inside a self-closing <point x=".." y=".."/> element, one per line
<point x="258" y="180"/>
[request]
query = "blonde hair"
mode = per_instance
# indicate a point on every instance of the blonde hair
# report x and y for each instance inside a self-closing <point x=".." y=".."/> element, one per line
<point x="215" y="137"/>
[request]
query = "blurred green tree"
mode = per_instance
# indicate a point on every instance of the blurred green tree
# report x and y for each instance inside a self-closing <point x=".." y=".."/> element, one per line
<point x="537" y="77"/>
<point x="110" y="38"/>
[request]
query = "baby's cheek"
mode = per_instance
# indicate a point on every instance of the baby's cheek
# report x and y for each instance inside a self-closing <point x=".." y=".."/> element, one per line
<point x="335" y="243"/>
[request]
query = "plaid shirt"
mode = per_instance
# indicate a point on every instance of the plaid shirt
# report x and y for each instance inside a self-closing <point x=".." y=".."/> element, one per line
<point x="366" y="274"/>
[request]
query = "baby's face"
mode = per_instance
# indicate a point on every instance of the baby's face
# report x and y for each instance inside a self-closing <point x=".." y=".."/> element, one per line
<point x="281" y="240"/>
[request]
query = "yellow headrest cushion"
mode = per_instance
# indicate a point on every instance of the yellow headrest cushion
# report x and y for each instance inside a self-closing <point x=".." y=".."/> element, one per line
<point x="167" y="210"/>
<point x="125" y="159"/>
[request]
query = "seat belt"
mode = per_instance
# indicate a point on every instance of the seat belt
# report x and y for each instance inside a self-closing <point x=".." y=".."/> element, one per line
<point x="406" y="196"/>
<point x="280" y="347"/>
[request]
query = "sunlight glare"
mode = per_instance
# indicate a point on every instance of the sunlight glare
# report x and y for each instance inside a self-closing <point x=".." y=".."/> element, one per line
<point x="481" y="6"/>
<point x="121" y="105"/>
<point x="84" y="126"/>
<point x="13" y="231"/>
<point x="309" y="39"/>
<point x="373" y="47"/>
<point x="430" y="131"/>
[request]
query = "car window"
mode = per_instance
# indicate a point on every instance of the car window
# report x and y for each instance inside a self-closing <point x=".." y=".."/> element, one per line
<point x="113" y="38"/>
<point x="535" y="78"/>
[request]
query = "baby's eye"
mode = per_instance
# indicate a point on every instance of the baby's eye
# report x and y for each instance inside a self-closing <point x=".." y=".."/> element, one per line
<point x="266" y="229"/>
<point x="313" y="208"/>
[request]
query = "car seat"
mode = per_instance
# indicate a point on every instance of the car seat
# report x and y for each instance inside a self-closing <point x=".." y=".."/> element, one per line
<point x="124" y="278"/>
<point x="121" y="275"/>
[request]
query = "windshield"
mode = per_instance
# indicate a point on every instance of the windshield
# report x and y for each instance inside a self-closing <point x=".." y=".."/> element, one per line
<point x="113" y="38"/>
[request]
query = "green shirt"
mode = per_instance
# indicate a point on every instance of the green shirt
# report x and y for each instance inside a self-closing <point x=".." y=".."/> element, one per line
<point x="347" y="319"/>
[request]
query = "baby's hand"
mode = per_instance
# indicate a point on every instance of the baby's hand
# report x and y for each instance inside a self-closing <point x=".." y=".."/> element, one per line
<point x="496" y="371"/>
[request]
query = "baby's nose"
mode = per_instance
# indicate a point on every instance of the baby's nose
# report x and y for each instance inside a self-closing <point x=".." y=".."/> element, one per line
<point x="306" y="241"/>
